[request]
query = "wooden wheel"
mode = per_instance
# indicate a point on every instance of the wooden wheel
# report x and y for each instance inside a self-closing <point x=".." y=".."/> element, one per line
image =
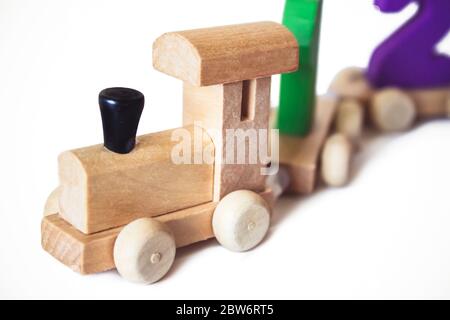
<point x="144" y="251"/>
<point x="392" y="110"/>
<point x="241" y="220"/>
<point x="336" y="157"/>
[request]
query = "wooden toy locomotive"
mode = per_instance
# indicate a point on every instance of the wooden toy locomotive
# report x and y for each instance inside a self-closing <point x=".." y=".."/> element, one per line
<point x="163" y="205"/>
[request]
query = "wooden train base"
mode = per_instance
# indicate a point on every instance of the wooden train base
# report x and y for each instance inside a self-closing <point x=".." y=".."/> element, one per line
<point x="93" y="253"/>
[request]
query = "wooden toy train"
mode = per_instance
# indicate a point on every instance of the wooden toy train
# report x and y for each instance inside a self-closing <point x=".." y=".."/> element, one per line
<point x="127" y="205"/>
<point x="164" y="205"/>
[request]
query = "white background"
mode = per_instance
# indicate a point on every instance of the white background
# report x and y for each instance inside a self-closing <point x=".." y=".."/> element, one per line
<point x="385" y="236"/>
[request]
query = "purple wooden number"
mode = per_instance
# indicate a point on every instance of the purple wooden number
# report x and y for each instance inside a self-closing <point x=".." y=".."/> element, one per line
<point x="408" y="59"/>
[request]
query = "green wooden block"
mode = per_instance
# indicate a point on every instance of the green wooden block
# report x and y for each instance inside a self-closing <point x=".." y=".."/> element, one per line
<point x="298" y="89"/>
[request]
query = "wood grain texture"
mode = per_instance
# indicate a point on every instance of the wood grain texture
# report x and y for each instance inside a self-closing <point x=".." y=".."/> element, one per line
<point x="226" y="54"/>
<point x="220" y="108"/>
<point x="102" y="190"/>
<point x="93" y="253"/>
<point x="430" y="103"/>
<point x="300" y="156"/>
